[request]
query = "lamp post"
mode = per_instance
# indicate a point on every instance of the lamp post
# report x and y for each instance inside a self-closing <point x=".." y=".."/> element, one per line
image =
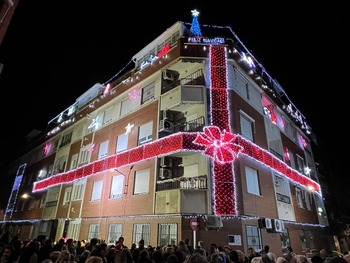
<point x="126" y="183"/>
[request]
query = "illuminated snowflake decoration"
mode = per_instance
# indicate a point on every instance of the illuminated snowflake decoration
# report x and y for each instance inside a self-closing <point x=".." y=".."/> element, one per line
<point x="219" y="145"/>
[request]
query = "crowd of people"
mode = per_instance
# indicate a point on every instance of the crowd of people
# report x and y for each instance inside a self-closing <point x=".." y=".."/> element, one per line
<point x="45" y="250"/>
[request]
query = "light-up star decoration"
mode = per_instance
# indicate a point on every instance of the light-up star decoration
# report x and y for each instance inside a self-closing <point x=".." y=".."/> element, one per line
<point x="94" y="122"/>
<point x="219" y="145"/>
<point x="194" y="12"/>
<point x="128" y="128"/>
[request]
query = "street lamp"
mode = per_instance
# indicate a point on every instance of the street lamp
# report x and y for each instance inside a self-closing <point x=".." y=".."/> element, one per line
<point x="126" y="177"/>
<point x="26" y="196"/>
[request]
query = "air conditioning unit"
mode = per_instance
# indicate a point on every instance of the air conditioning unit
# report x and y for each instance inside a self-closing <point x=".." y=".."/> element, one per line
<point x="166" y="125"/>
<point x="277" y="225"/>
<point x="165" y="173"/>
<point x="268" y="223"/>
<point x="166" y="162"/>
<point x="167" y="75"/>
<point x="213" y="222"/>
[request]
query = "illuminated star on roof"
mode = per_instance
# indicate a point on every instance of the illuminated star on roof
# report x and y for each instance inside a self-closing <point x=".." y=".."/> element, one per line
<point x="195" y="12"/>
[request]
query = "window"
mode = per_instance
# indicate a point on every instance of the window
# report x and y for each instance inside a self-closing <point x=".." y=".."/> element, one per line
<point x="300" y="164"/>
<point x="85" y="154"/>
<point x="167" y="234"/>
<point x="94" y="231"/>
<point x="311" y="238"/>
<point x="55" y="145"/>
<point x="141" y="231"/>
<point x="60" y="164"/>
<point x="253" y="237"/>
<point x="67" y="195"/>
<point x="66" y="139"/>
<point x="122" y="142"/>
<point x="44" y="226"/>
<point x="308" y="199"/>
<point x="285" y="241"/>
<point x="103" y="151"/>
<point x="241" y="84"/>
<point x="97" y="190"/>
<point x="74" y="229"/>
<point x="302" y="239"/>
<point x="252" y="181"/>
<point x="114" y="232"/>
<point x="129" y="104"/>
<point x="282" y="189"/>
<point x="142" y="181"/>
<point x="50" y="170"/>
<point x="145" y="133"/>
<point x="108" y="115"/>
<point x="247" y="126"/>
<point x="78" y="189"/>
<point x="74" y="161"/>
<point x="117" y="186"/>
<point x="299" y="197"/>
<point x="148" y="92"/>
<point x="43" y="201"/>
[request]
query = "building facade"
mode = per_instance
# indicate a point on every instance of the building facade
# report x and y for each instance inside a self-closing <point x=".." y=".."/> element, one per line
<point x="196" y="141"/>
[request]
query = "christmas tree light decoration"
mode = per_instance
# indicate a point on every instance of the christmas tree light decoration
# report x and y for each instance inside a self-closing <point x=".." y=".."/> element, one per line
<point x="219" y="145"/>
<point x="195" y="29"/>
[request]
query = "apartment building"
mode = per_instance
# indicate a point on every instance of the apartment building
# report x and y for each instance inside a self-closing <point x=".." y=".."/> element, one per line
<point x="195" y="141"/>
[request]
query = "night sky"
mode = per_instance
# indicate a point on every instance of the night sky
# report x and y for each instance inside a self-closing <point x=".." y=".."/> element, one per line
<point x="56" y="50"/>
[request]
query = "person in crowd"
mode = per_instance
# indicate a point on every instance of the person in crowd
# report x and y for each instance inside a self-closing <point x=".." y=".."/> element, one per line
<point x="7" y="254"/>
<point x="301" y="259"/>
<point x="233" y="256"/>
<point x="83" y="256"/>
<point x="157" y="257"/>
<point x="271" y="256"/>
<point x="30" y="253"/>
<point x="119" y="245"/>
<point x="257" y="259"/>
<point x="100" y="250"/>
<point x="281" y="260"/>
<point x="338" y="259"/>
<point x="242" y="258"/>
<point x="144" y="257"/>
<point x="251" y="253"/>
<point x="196" y="258"/>
<point x="94" y="259"/>
<point x="45" y="250"/>
<point x="64" y="257"/>
<point x="189" y="246"/>
<point x="58" y="246"/>
<point x="93" y="242"/>
<point x="54" y="255"/>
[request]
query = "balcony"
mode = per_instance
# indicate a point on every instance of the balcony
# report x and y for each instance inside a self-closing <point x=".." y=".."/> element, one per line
<point x="194" y="183"/>
<point x="183" y="195"/>
<point x="182" y="93"/>
<point x="168" y="126"/>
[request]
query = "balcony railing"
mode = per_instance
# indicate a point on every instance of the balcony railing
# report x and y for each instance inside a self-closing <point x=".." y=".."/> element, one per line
<point x="198" y="182"/>
<point x="194" y="79"/>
